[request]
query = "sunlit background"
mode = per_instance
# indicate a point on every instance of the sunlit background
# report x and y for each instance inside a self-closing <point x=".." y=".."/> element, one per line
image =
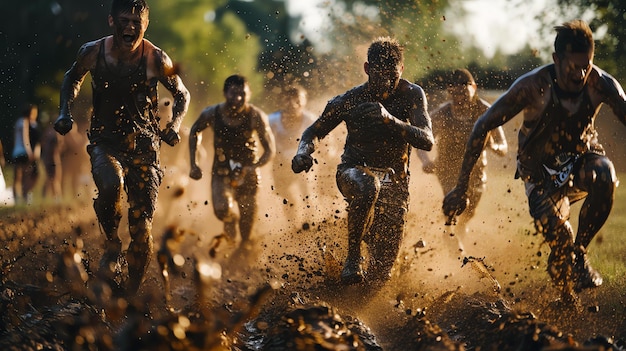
<point x="319" y="43"/>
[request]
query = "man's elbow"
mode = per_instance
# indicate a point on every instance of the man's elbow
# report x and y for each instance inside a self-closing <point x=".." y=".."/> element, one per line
<point x="429" y="141"/>
<point x="428" y="146"/>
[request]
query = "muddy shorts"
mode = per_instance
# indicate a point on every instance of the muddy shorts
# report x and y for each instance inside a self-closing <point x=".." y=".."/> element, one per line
<point x="550" y="204"/>
<point x="141" y="174"/>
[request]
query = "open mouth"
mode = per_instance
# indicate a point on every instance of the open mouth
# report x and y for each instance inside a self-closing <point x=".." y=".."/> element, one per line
<point x="128" y="38"/>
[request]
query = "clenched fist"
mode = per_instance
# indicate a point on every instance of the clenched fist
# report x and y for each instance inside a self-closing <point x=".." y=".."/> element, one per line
<point x="301" y="162"/>
<point x="170" y="136"/>
<point x="63" y="124"/>
<point x="454" y="203"/>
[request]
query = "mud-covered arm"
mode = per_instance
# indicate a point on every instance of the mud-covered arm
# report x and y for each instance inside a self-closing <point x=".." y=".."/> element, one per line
<point x="266" y="138"/>
<point x="205" y="119"/>
<point x="329" y="120"/>
<point x="503" y="110"/>
<point x="497" y="141"/>
<point x="72" y="82"/>
<point x="613" y="95"/>
<point x="418" y="132"/>
<point x="168" y="76"/>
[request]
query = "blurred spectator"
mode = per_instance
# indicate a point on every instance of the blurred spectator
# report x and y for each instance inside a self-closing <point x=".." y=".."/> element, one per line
<point x="6" y="194"/>
<point x="26" y="152"/>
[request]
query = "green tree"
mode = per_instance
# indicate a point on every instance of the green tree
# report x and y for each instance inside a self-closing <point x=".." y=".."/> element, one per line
<point x="206" y="46"/>
<point x="418" y="25"/>
<point x="281" y="60"/>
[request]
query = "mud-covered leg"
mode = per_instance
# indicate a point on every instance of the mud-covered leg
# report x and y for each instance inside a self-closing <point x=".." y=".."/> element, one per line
<point x="224" y="205"/>
<point x="551" y="213"/>
<point x="109" y="180"/>
<point x="597" y="177"/>
<point x="246" y="199"/>
<point x="139" y="253"/>
<point x="143" y="190"/>
<point x="384" y="241"/>
<point x="361" y="191"/>
<point x="561" y="258"/>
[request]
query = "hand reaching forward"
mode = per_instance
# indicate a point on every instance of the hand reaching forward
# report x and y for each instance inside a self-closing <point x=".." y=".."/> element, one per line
<point x="454" y="203"/>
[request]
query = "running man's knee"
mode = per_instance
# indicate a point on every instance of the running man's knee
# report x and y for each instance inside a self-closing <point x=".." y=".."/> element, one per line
<point x="357" y="183"/>
<point x="597" y="172"/>
<point x="225" y="213"/>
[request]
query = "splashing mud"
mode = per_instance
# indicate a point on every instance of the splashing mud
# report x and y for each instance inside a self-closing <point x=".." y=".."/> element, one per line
<point x="205" y="292"/>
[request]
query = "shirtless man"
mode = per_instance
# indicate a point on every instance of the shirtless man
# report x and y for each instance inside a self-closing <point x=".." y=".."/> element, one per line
<point x="124" y="135"/>
<point x="235" y="176"/>
<point x="452" y="124"/>
<point x="385" y="117"/>
<point x="559" y="157"/>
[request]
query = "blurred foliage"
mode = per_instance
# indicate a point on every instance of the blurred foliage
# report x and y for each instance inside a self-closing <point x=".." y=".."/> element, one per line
<point x="607" y="18"/>
<point x="418" y="25"/>
<point x="211" y="39"/>
<point x="39" y="40"/>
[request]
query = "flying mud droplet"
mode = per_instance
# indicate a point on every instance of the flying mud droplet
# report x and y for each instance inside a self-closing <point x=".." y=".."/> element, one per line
<point x="479" y="266"/>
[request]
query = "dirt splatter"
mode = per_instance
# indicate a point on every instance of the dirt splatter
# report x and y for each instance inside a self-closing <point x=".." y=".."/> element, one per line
<point x="277" y="295"/>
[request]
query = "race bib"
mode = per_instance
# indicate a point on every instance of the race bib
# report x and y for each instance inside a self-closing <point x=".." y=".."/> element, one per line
<point x="385" y="175"/>
<point x="559" y="173"/>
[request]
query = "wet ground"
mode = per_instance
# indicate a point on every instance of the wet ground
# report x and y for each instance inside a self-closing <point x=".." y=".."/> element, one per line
<point x="281" y="294"/>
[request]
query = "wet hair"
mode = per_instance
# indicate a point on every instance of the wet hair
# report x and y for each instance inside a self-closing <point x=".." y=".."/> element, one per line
<point x="460" y="76"/>
<point x="235" y="80"/>
<point x="132" y="6"/>
<point x="385" y="51"/>
<point x="574" y="36"/>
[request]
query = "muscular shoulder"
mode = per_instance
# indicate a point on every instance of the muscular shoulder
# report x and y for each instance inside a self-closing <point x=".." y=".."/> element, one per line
<point x="207" y="115"/>
<point x="159" y="63"/>
<point x="406" y="87"/>
<point x="537" y="79"/>
<point x="88" y="53"/>
<point x="258" y="116"/>
<point x="256" y="111"/>
<point x="603" y="84"/>
<point x="347" y="99"/>
<point x="529" y="91"/>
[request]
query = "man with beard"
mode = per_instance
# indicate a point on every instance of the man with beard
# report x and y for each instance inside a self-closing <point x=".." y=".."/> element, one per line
<point x="559" y="157"/>
<point x="235" y="176"/>
<point x="124" y="135"/>
<point x="384" y="117"/>
<point x="452" y="124"/>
